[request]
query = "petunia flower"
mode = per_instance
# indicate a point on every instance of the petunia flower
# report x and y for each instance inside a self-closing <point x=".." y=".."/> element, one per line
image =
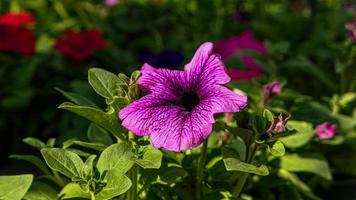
<point x="166" y="59"/>
<point x="80" y="45"/>
<point x="178" y="110"/>
<point x="351" y="28"/>
<point x="278" y="125"/>
<point x="325" y="130"/>
<point x="271" y="89"/>
<point x="14" y="37"/>
<point x="235" y="46"/>
<point x="17" y="19"/>
<point x="111" y="2"/>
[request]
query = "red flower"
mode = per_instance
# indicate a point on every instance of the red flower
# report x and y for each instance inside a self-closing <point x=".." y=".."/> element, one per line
<point x="13" y="36"/>
<point x="80" y="45"/>
<point x="17" y="19"/>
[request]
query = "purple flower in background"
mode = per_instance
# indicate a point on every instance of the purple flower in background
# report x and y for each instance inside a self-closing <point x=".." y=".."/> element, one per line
<point x="166" y="59"/>
<point x="272" y="88"/>
<point x="111" y="2"/>
<point x="325" y="130"/>
<point x="236" y="45"/>
<point x="178" y="110"/>
<point x="351" y="28"/>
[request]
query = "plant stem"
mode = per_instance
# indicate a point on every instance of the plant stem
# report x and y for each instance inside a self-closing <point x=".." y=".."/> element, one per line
<point x="200" y="170"/>
<point x="132" y="193"/>
<point x="242" y="180"/>
<point x="92" y="196"/>
<point x="240" y="184"/>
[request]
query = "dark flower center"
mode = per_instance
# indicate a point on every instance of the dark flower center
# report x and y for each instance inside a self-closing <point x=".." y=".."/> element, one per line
<point x="189" y="100"/>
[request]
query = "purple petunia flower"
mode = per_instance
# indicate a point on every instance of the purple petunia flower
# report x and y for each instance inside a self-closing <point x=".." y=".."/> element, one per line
<point x="235" y="46"/>
<point x="111" y="2"/>
<point x="351" y="30"/>
<point x="325" y="130"/>
<point x="272" y="88"/>
<point x="178" y="110"/>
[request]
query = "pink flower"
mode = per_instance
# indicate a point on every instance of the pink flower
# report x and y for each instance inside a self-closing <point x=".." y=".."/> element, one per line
<point x="278" y="125"/>
<point x="178" y="110"/>
<point x="235" y="46"/>
<point x="351" y="28"/>
<point x="273" y="88"/>
<point x="111" y="2"/>
<point x="325" y="130"/>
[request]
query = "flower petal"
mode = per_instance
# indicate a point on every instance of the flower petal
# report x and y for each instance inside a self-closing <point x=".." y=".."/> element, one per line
<point x="163" y="81"/>
<point x="180" y="131"/>
<point x="221" y="99"/>
<point x="206" y="68"/>
<point x="143" y="115"/>
<point x="170" y="126"/>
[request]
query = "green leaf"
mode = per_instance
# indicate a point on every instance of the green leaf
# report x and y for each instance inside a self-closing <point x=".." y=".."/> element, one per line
<point x="34" y="160"/>
<point x="98" y="135"/>
<point x="299" y="184"/>
<point x="41" y="191"/>
<point x="73" y="190"/>
<point x="51" y="142"/>
<point x="88" y="169"/>
<point x="95" y="146"/>
<point x="14" y="187"/>
<point x="134" y="76"/>
<point x="151" y="158"/>
<point x="108" y="121"/>
<point x="77" y="98"/>
<point x="63" y="161"/>
<point x="116" y="156"/>
<point x="171" y="173"/>
<point x="304" y="133"/>
<point x="313" y="163"/>
<point x="276" y="148"/>
<point x="34" y="142"/>
<point x="116" y="184"/>
<point x="268" y="115"/>
<point x="232" y="162"/>
<point x="103" y="82"/>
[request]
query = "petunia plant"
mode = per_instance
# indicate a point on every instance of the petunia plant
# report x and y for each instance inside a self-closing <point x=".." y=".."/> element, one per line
<point x="171" y="134"/>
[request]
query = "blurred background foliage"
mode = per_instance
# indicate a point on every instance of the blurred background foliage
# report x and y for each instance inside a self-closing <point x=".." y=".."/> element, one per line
<point x="306" y="43"/>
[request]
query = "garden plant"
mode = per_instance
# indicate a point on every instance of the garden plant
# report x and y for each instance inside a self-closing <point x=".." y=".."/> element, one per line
<point x="177" y="100"/>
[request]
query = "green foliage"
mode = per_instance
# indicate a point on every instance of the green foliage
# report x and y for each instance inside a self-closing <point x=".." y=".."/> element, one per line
<point x="313" y="163"/>
<point x="63" y="161"/>
<point x="116" y="157"/>
<point x="14" y="187"/>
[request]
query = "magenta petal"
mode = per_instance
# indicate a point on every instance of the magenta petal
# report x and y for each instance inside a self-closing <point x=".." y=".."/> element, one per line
<point x="164" y="81"/>
<point x="221" y="99"/>
<point x="180" y="131"/>
<point x="206" y="67"/>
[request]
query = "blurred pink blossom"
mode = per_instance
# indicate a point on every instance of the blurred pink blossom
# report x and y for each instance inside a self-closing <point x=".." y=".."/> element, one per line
<point x="111" y="2"/>
<point x="235" y="46"/>
<point x="325" y="130"/>
<point x="351" y="28"/>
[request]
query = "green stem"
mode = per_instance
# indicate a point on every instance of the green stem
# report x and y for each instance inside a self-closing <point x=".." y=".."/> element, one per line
<point x="92" y="196"/>
<point x="240" y="184"/>
<point x="58" y="179"/>
<point x="200" y="170"/>
<point x="242" y="180"/>
<point x="132" y="193"/>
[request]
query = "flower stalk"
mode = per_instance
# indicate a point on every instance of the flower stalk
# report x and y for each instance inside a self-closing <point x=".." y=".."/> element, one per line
<point x="200" y="170"/>
<point x="243" y="177"/>
<point x="132" y="193"/>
